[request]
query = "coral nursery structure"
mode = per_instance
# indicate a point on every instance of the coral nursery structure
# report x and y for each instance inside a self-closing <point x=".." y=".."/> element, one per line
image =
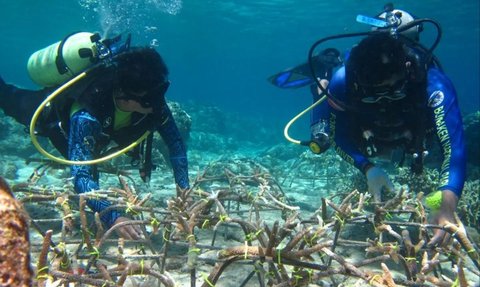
<point x="237" y="227"/>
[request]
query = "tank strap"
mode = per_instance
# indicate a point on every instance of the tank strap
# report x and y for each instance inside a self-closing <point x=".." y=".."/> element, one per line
<point x="59" y="60"/>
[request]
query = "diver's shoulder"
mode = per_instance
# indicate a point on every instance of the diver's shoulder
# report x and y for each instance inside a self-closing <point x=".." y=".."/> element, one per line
<point x="337" y="85"/>
<point x="438" y="79"/>
<point x="339" y="76"/>
<point x="436" y="74"/>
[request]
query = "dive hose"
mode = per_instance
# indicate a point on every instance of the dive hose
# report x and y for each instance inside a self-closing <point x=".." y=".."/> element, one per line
<point x="46" y="102"/>
<point x="429" y="52"/>
<point x="314" y="146"/>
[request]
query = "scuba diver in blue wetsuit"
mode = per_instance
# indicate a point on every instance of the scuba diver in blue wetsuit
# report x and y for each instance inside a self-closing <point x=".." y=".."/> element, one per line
<point x="300" y="76"/>
<point x="396" y="103"/>
<point x="117" y="100"/>
<point x="389" y="98"/>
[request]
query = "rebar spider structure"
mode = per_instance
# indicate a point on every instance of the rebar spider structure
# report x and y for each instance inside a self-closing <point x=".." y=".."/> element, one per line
<point x="236" y="221"/>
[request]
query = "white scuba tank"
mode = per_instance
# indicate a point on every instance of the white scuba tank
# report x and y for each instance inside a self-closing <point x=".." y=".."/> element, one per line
<point x="61" y="61"/>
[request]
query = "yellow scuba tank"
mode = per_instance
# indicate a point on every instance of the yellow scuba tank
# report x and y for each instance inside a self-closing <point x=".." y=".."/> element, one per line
<point x="61" y="61"/>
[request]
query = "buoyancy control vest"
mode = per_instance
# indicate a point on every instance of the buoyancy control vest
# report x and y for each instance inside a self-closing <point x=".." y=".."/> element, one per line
<point x="401" y="123"/>
<point x="60" y="62"/>
<point x="95" y="94"/>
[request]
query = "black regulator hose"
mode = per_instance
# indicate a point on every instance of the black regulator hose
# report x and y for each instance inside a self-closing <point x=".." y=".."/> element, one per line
<point x="319" y="145"/>
<point x="311" y="65"/>
<point x="417" y="22"/>
<point x="427" y="51"/>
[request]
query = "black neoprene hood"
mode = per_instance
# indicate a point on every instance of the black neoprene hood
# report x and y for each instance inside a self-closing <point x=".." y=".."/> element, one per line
<point x="376" y="59"/>
<point x="140" y="70"/>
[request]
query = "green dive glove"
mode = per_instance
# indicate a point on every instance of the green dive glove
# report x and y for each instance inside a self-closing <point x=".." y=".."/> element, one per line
<point x="434" y="200"/>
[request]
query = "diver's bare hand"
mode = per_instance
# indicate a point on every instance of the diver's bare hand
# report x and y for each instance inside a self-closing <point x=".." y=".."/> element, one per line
<point x="443" y="216"/>
<point x="131" y="232"/>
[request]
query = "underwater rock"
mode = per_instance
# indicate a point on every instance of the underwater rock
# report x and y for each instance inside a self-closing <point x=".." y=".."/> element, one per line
<point x="240" y="127"/>
<point x="283" y="152"/>
<point x="182" y="119"/>
<point x="212" y="142"/>
<point x="208" y="119"/>
<point x="13" y="138"/>
<point x="8" y="169"/>
<point x="14" y="245"/>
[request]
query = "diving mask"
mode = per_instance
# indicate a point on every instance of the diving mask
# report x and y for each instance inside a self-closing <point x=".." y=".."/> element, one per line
<point x="375" y="94"/>
<point x="148" y="99"/>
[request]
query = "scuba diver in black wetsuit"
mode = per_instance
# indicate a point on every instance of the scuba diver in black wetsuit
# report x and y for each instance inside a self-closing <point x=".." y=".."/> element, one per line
<point x="300" y="76"/>
<point x="392" y="94"/>
<point x="116" y="101"/>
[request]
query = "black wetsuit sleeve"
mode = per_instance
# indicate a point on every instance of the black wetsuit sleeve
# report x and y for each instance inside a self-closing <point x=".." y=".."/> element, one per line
<point x="20" y="104"/>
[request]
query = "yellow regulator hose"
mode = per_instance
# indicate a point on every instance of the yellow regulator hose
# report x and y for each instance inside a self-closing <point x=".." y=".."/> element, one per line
<point x="324" y="83"/>
<point x="287" y="127"/>
<point x="46" y="102"/>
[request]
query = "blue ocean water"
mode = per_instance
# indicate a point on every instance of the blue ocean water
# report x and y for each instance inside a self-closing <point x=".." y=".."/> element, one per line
<point x="220" y="52"/>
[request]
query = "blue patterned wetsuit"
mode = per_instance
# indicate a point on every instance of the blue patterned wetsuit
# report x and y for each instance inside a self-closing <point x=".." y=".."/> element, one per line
<point x="85" y="132"/>
<point x="443" y="114"/>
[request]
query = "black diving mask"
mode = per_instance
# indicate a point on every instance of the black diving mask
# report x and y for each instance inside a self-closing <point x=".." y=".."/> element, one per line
<point x="149" y="98"/>
<point x="375" y="94"/>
